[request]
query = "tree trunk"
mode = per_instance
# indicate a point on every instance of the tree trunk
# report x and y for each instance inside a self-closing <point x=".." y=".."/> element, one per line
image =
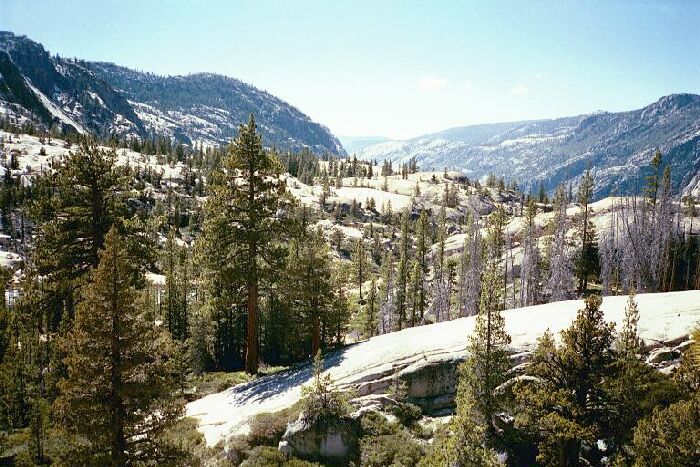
<point x="316" y="335"/>
<point x="251" y="355"/>
<point x="583" y="279"/>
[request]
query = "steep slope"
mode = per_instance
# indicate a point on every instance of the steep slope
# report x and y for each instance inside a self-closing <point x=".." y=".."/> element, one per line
<point x="104" y="99"/>
<point x="54" y="91"/>
<point x="208" y="108"/>
<point x="366" y="366"/>
<point x="617" y="147"/>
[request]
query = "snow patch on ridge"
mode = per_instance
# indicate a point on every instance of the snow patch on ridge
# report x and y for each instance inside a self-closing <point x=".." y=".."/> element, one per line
<point x="55" y="110"/>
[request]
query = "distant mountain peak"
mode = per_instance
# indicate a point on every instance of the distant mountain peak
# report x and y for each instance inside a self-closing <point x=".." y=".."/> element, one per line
<point x="677" y="100"/>
<point x="617" y="146"/>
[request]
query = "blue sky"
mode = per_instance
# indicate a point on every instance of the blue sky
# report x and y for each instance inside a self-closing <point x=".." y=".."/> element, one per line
<point x="395" y="68"/>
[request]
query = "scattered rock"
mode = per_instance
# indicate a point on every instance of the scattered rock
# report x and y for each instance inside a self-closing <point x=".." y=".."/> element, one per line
<point x="332" y="441"/>
<point x="662" y="354"/>
<point x="520" y="358"/>
<point x="670" y="369"/>
<point x="285" y="448"/>
<point x="683" y="346"/>
<point x="518" y="370"/>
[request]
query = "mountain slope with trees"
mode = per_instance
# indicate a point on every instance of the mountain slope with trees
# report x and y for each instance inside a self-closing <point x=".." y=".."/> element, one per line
<point x="616" y="147"/>
<point x="104" y="99"/>
<point x="237" y="263"/>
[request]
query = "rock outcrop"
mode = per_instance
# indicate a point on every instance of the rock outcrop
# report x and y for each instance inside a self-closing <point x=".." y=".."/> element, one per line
<point x="426" y="358"/>
<point x="333" y="442"/>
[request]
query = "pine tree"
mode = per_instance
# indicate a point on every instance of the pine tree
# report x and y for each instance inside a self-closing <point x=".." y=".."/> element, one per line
<point x="176" y="288"/>
<point x="690" y="211"/>
<point x="472" y="256"/>
<point x="387" y="311"/>
<point x="463" y="443"/>
<point x="118" y="395"/>
<point x="628" y="343"/>
<point x="487" y="362"/>
<point x="649" y="231"/>
<point x="587" y="256"/>
<point x="371" y="204"/>
<point x="441" y="300"/>
<point x="564" y="404"/>
<point x="321" y="400"/>
<point x="629" y="386"/>
<point x="542" y="196"/>
<point x="74" y="207"/>
<point x="530" y="269"/>
<point x="463" y="278"/>
<point x="402" y="272"/>
<point x="309" y="269"/>
<point x="337" y="237"/>
<point x="370" y="327"/>
<point x="422" y="248"/>
<point x="222" y="313"/>
<point x="244" y="202"/>
<point x="654" y="178"/>
<point x="495" y="244"/>
<point x="667" y="233"/>
<point x="25" y="385"/>
<point x="413" y="292"/>
<point x="325" y="192"/>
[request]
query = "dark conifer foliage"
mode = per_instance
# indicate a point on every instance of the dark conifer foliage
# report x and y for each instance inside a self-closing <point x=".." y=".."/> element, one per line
<point x="243" y="215"/>
<point x="118" y="396"/>
<point x="74" y="207"/>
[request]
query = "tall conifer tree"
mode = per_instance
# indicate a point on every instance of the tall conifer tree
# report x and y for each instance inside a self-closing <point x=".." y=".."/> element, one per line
<point x="245" y="199"/>
<point x="118" y="395"/>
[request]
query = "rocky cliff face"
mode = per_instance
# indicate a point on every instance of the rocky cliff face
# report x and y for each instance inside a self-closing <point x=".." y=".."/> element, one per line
<point x="616" y="146"/>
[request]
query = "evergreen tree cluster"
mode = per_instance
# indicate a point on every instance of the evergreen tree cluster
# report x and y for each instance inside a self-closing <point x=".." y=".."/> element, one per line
<point x="588" y="400"/>
<point x="134" y="283"/>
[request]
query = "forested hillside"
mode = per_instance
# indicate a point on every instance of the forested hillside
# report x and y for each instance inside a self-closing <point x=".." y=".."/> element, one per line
<point x="142" y="275"/>
<point x="207" y="108"/>
<point x="62" y="95"/>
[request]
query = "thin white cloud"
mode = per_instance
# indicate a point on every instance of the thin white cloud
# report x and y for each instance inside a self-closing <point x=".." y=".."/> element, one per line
<point x="431" y="83"/>
<point x="519" y="90"/>
<point x="468" y="86"/>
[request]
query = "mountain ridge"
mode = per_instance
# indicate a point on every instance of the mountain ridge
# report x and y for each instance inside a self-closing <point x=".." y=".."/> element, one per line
<point x="103" y="98"/>
<point x="616" y="145"/>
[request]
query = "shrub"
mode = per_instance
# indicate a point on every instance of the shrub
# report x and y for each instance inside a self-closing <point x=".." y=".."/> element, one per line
<point x="185" y="437"/>
<point x="210" y="383"/>
<point x="407" y="413"/>
<point x="267" y="428"/>
<point x="376" y="424"/>
<point x="671" y="436"/>
<point x="398" y="448"/>
<point x="321" y="401"/>
<point x="266" y="456"/>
